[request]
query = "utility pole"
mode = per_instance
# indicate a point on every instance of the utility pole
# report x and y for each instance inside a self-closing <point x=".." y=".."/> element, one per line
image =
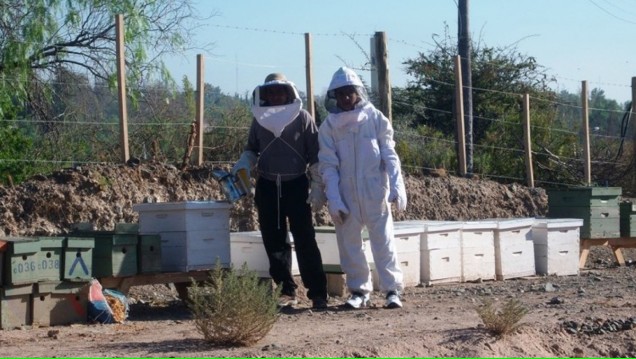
<point x="464" y="50"/>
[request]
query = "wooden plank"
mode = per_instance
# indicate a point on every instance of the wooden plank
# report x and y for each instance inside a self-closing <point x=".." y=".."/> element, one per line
<point x="616" y="244"/>
<point x="123" y="284"/>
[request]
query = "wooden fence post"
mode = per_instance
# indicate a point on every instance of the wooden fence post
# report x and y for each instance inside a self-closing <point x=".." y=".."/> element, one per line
<point x="384" y="81"/>
<point x="587" y="169"/>
<point x="459" y="109"/>
<point x="200" y="108"/>
<point x="121" y="88"/>
<point x="310" y="82"/>
<point x="527" y="140"/>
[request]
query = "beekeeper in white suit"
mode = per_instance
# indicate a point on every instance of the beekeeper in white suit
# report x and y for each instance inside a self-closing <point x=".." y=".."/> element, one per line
<point x="362" y="175"/>
<point x="282" y="147"/>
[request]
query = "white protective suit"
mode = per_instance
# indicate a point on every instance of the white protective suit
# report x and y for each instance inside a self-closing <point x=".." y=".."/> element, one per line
<point x="361" y="171"/>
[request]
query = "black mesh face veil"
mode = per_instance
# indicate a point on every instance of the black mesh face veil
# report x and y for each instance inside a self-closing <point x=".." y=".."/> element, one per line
<point x="262" y="93"/>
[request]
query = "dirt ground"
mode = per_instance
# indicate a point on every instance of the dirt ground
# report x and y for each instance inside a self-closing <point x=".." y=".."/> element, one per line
<point x="587" y="315"/>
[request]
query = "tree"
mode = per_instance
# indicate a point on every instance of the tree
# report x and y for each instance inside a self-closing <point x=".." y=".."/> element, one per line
<point x="40" y="36"/>
<point x="54" y="52"/>
<point x="499" y="77"/>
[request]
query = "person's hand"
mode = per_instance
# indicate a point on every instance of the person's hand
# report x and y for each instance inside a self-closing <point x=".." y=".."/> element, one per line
<point x="247" y="161"/>
<point x="316" y="198"/>
<point x="338" y="212"/>
<point x="397" y="195"/>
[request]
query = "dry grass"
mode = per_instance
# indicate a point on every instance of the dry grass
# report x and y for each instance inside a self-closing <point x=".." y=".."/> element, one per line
<point x="233" y="308"/>
<point x="504" y="320"/>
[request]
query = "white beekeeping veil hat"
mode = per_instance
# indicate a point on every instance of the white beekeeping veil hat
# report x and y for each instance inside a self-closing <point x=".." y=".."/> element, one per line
<point x="344" y="76"/>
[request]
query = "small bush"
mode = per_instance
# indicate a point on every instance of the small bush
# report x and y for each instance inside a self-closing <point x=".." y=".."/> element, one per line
<point x="502" y="321"/>
<point x="233" y="307"/>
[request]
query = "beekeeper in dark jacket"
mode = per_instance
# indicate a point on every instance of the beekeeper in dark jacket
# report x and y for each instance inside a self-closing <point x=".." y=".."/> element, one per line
<point x="282" y="153"/>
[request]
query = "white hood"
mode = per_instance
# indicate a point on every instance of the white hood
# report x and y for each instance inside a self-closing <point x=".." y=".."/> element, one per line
<point x="345" y="76"/>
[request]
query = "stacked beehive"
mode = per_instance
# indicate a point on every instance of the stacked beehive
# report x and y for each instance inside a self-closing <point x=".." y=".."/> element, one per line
<point x="194" y="235"/>
<point x="597" y="206"/>
<point x="44" y="280"/>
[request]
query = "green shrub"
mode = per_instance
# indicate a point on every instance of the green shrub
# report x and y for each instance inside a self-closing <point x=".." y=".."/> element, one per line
<point x="233" y="307"/>
<point x="504" y="320"/>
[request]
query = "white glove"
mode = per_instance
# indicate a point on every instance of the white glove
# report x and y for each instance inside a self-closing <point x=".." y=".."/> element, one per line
<point x="397" y="195"/>
<point x="247" y="161"/>
<point x="317" y="197"/>
<point x="338" y="212"/>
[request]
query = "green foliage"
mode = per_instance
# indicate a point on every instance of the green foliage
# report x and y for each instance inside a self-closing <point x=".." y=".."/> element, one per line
<point x="15" y="149"/>
<point x="228" y="133"/>
<point x="504" y="320"/>
<point x="233" y="307"/>
<point x="424" y="147"/>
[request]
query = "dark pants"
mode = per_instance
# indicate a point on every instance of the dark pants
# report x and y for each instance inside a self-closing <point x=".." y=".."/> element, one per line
<point x="273" y="214"/>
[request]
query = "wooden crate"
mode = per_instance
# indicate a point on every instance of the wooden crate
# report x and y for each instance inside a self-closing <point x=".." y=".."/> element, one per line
<point x="149" y="253"/>
<point x="598" y="207"/>
<point x="21" y="261"/>
<point x="15" y="306"/>
<point x="60" y="303"/>
<point x="50" y="258"/>
<point x="78" y="259"/>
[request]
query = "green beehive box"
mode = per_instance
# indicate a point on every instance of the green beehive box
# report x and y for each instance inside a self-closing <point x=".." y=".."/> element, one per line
<point x="21" y="261"/>
<point x="115" y="255"/>
<point x="49" y="259"/>
<point x="596" y="206"/>
<point x="78" y="259"/>
<point x="4" y="245"/>
<point x="628" y="219"/>
<point x="15" y="306"/>
<point x="60" y="303"/>
<point x="115" y="252"/>
<point x="149" y="253"/>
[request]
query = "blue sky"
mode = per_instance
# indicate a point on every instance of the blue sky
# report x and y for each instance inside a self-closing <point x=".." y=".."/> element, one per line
<point x="574" y="40"/>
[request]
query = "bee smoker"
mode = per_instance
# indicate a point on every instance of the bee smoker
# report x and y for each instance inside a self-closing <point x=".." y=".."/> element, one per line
<point x="233" y="187"/>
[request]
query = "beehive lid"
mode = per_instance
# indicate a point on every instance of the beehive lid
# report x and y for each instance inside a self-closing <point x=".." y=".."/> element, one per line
<point x="325" y="229"/>
<point x="479" y="225"/>
<point x="187" y="205"/>
<point x="246" y="237"/>
<point x="514" y="223"/>
<point x="442" y="226"/>
<point x="554" y="223"/>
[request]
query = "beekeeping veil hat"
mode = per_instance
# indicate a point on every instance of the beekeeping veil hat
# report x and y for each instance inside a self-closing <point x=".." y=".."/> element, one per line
<point x="275" y="117"/>
<point x="344" y="76"/>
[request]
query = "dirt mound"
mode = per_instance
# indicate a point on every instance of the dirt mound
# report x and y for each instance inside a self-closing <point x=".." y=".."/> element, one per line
<point x="105" y="194"/>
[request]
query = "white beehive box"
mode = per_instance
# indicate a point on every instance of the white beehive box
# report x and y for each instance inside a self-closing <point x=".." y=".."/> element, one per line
<point x="194" y="250"/>
<point x="407" y="246"/>
<point x="247" y="247"/>
<point x="440" y="253"/>
<point x="514" y="248"/>
<point x="183" y="216"/>
<point x="193" y="234"/>
<point x="478" y="250"/>
<point x="328" y="245"/>
<point x="556" y="245"/>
